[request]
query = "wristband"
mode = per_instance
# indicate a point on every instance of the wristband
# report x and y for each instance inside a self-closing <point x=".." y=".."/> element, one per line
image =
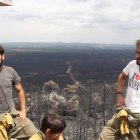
<point x="119" y="93"/>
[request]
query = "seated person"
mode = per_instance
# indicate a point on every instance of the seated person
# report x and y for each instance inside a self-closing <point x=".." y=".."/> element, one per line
<point x="52" y="127"/>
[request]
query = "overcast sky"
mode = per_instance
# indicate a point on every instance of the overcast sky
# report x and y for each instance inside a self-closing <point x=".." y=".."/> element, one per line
<point x="91" y="21"/>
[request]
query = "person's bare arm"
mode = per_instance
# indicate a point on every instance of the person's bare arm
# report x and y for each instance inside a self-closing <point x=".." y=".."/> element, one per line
<point x="21" y="98"/>
<point x="120" y="98"/>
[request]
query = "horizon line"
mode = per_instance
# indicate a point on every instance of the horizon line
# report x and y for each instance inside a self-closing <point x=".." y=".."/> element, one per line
<point x="68" y="43"/>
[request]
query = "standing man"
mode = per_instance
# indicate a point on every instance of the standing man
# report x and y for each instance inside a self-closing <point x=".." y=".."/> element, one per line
<point x="132" y="102"/>
<point x="20" y="127"/>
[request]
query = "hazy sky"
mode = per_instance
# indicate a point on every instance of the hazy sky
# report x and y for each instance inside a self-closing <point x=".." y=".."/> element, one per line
<point x="93" y="21"/>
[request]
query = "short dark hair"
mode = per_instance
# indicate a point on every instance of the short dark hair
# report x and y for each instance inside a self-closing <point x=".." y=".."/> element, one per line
<point x="1" y="50"/>
<point x="54" y="122"/>
<point x="138" y="43"/>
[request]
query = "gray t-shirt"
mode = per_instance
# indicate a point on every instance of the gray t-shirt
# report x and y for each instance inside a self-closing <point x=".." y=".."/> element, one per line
<point x="8" y="78"/>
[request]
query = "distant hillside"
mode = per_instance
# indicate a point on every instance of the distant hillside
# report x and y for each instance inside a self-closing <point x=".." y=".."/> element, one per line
<point x="40" y="62"/>
<point x="60" y="45"/>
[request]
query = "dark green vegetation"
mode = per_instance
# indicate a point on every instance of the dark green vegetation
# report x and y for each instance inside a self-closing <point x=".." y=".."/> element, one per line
<point x="39" y="62"/>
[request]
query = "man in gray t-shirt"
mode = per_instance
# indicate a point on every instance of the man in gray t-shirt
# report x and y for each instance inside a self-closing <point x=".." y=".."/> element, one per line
<point x="23" y="127"/>
<point x="9" y="78"/>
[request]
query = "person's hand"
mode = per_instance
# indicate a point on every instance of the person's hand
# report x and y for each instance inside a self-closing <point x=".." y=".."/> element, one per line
<point x="120" y="100"/>
<point x="22" y="115"/>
